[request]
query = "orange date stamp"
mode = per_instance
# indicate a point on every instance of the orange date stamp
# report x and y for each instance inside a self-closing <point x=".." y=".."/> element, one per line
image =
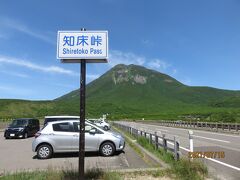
<point x="207" y="154"/>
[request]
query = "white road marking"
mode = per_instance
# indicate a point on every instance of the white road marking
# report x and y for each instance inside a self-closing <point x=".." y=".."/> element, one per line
<point x="156" y="128"/>
<point x="201" y="131"/>
<point x="224" y="164"/>
<point x="211" y="139"/>
<point x="210" y="159"/>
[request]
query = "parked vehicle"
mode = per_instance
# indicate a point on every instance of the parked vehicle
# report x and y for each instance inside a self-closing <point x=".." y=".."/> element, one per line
<point x="59" y="118"/>
<point x="63" y="136"/>
<point x="22" y="128"/>
<point x="101" y="123"/>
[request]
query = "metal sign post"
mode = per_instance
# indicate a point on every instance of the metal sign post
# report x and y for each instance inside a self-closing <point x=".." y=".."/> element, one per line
<point x="82" y="121"/>
<point x="82" y="47"/>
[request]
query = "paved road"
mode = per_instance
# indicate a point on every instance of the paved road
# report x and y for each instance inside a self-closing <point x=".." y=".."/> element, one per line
<point x="225" y="168"/>
<point x="16" y="155"/>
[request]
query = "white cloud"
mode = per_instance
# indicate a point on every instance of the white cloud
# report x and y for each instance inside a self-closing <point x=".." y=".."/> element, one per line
<point x="119" y="57"/>
<point x="91" y="77"/>
<point x="174" y="71"/>
<point x="158" y="64"/>
<point x="33" y="66"/>
<point x="11" y="90"/>
<point x="14" y="74"/>
<point x="19" y="26"/>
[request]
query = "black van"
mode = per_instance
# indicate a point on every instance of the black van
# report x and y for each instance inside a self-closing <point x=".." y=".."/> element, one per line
<point x="22" y="128"/>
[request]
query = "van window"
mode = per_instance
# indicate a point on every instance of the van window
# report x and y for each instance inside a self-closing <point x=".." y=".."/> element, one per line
<point x="35" y="122"/>
<point x="30" y="122"/>
<point x="62" y="127"/>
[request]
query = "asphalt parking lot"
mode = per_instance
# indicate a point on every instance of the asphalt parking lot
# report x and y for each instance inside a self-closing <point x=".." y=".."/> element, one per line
<point x="17" y="155"/>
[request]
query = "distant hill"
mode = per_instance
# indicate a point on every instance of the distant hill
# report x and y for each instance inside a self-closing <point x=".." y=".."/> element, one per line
<point x="137" y="92"/>
<point x="131" y="91"/>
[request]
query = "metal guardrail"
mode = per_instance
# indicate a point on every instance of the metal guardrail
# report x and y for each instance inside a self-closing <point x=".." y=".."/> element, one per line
<point x="214" y="126"/>
<point x="153" y="139"/>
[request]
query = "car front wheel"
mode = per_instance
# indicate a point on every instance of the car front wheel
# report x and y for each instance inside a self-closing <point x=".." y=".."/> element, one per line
<point x="107" y="149"/>
<point x="44" y="151"/>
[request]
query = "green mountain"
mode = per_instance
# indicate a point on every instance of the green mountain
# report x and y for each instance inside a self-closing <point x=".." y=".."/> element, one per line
<point x="133" y="92"/>
<point x="137" y="92"/>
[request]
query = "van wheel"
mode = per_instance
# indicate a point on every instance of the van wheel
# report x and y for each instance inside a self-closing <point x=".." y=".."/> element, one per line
<point x="44" y="152"/>
<point x="105" y="128"/>
<point x="25" y="135"/>
<point x="107" y="149"/>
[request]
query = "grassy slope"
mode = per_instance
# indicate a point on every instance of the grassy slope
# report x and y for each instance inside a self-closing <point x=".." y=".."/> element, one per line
<point x="161" y="97"/>
<point x="118" y="94"/>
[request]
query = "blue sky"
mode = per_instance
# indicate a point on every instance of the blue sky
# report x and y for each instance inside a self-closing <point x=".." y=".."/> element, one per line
<point x="196" y="42"/>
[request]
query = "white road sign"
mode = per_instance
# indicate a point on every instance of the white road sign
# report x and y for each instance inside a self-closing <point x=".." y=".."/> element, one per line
<point x="82" y="45"/>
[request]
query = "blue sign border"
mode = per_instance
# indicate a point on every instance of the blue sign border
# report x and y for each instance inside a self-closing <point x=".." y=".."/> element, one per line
<point x="89" y="58"/>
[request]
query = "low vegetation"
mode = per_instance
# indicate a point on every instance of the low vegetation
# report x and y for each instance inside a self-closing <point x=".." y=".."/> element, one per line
<point x="94" y="174"/>
<point x="62" y="175"/>
<point x="183" y="169"/>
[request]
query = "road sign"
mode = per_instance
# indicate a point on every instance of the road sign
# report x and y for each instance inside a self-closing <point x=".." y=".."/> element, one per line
<point x="82" y="47"/>
<point x="77" y="45"/>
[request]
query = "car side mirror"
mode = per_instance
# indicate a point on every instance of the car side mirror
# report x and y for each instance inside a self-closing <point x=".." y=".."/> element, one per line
<point x="92" y="131"/>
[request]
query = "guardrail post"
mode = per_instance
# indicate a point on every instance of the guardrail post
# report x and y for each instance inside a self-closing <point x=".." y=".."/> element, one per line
<point x="156" y="141"/>
<point x="216" y="126"/>
<point x="236" y="127"/>
<point x="164" y="142"/>
<point x="176" y="149"/>
<point x="222" y="126"/>
<point x="229" y="127"/>
<point x="145" y="134"/>
<point x="150" y="138"/>
<point x="190" y="133"/>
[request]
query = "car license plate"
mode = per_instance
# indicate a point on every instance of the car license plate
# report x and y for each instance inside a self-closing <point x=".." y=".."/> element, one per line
<point x="12" y="135"/>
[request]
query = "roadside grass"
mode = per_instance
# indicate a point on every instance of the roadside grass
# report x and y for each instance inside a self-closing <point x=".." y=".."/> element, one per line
<point x="184" y="169"/>
<point x="94" y="174"/>
<point x="62" y="175"/>
<point x="139" y="152"/>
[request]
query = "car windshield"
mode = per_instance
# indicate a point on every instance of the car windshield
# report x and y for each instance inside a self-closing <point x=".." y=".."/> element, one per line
<point x="19" y="122"/>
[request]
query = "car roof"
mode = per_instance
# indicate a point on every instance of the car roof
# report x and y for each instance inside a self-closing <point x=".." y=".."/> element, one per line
<point x="70" y="120"/>
<point x="94" y="119"/>
<point x="25" y="119"/>
<point x="62" y="116"/>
